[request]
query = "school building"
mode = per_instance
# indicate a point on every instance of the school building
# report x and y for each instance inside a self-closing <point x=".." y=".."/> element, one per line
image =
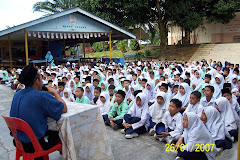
<point x="207" y="33"/>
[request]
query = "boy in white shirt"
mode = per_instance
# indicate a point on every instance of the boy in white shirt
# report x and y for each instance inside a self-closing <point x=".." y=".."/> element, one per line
<point x="172" y="120"/>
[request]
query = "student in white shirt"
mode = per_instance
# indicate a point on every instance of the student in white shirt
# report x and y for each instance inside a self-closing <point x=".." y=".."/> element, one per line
<point x="172" y="120"/>
<point x="194" y="103"/>
<point x="157" y="110"/>
<point x="104" y="104"/>
<point x="149" y="91"/>
<point x="208" y="100"/>
<point x="195" y="132"/>
<point x="183" y="95"/>
<point x="212" y="120"/>
<point x="228" y="115"/>
<point x="127" y="89"/>
<point x="227" y="94"/>
<point x="136" y="121"/>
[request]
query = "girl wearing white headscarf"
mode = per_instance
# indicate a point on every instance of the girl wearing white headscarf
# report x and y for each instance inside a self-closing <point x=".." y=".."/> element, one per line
<point x="234" y="84"/>
<point x="228" y="115"/>
<point x="212" y="119"/>
<point x="197" y="79"/>
<point x="149" y="92"/>
<point x="72" y="86"/>
<point x="184" y="98"/>
<point x="89" y="94"/>
<point x="68" y="96"/>
<point x="195" y="133"/>
<point x="136" y="121"/>
<point x="104" y="104"/>
<point x="168" y="78"/>
<point x="217" y="86"/>
<point x="158" y="110"/>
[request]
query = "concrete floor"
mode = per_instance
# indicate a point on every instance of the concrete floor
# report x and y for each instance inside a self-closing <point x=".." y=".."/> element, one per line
<point x="144" y="147"/>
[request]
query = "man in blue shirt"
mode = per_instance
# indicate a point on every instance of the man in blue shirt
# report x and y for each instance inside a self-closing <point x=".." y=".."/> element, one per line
<point x="34" y="106"/>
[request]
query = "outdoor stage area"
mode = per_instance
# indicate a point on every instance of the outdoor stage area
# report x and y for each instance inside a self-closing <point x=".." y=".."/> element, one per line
<point x="144" y="147"/>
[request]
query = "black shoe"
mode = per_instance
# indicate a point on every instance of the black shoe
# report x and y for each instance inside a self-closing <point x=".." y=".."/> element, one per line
<point x="115" y="127"/>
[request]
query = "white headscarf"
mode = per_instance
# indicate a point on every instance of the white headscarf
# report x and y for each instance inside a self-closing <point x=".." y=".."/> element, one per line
<point x="149" y="93"/>
<point x="70" y="95"/>
<point x="184" y="98"/>
<point x="228" y="115"/>
<point x="234" y="85"/>
<point x="90" y="94"/>
<point x="73" y="89"/>
<point x="215" y="124"/>
<point x="213" y="82"/>
<point x="157" y="110"/>
<point x="197" y="133"/>
<point x="196" y="81"/>
<point x="106" y="106"/>
<point x="140" y="111"/>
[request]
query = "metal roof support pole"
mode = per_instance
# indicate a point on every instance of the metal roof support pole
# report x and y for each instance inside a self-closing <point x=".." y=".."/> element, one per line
<point x="10" y="51"/>
<point x="110" y="44"/>
<point x="84" y="51"/>
<point x="26" y="45"/>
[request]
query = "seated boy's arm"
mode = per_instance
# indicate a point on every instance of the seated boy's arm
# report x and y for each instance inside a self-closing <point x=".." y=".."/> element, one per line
<point x="113" y="111"/>
<point x="124" y="111"/>
<point x="178" y="129"/>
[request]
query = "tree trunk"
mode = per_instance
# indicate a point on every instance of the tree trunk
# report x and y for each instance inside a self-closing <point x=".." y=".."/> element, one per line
<point x="163" y="43"/>
<point x="163" y="32"/>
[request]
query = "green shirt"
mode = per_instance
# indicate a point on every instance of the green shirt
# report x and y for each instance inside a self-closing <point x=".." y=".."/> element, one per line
<point x="120" y="110"/>
<point x="84" y="100"/>
<point x="79" y="85"/>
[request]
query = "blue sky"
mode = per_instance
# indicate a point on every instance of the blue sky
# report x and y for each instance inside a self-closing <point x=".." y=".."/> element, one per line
<point x="15" y="12"/>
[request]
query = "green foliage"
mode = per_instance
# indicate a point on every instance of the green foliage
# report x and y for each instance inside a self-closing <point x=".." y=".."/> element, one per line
<point x="147" y="53"/>
<point x="97" y="47"/>
<point x="188" y="14"/>
<point x="222" y="11"/>
<point x="122" y="46"/>
<point x="134" y="45"/>
<point x="139" y="55"/>
<point x="105" y="45"/>
<point x="54" y="6"/>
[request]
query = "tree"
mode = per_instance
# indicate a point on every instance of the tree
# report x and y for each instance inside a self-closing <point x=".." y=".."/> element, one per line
<point x="54" y="6"/>
<point x="188" y="14"/>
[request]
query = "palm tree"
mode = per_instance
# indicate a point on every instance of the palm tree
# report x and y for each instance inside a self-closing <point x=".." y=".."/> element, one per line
<point x="54" y="6"/>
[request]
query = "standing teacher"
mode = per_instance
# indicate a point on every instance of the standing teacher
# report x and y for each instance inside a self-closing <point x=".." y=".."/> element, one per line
<point x="49" y="59"/>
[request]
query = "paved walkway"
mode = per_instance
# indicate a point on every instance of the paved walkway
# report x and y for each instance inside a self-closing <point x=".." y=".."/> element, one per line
<point x="143" y="147"/>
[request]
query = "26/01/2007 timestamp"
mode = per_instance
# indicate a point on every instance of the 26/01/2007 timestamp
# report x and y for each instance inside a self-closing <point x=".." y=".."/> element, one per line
<point x="182" y="147"/>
